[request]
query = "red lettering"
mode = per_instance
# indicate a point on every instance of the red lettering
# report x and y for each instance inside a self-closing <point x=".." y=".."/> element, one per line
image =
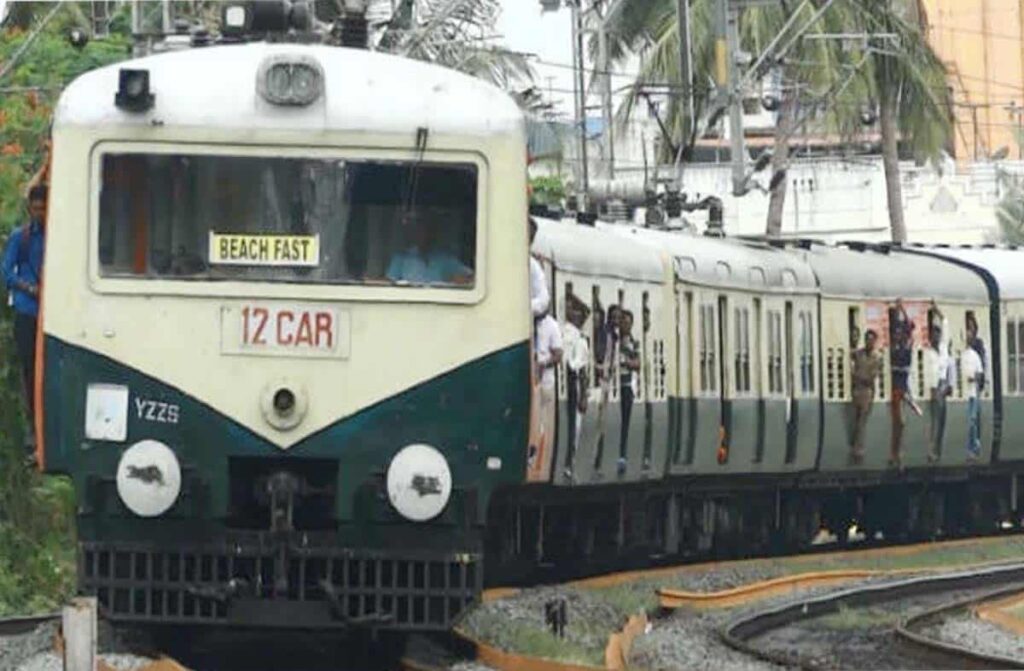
<point x="245" y="326"/>
<point x="261" y="315"/>
<point x="282" y="337"/>
<point x="305" y="335"/>
<point x="323" y="326"/>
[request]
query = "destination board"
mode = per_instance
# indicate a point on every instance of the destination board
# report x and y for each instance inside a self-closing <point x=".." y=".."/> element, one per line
<point x="233" y="249"/>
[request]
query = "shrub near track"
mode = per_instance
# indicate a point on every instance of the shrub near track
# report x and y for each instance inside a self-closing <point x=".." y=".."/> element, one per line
<point x="37" y="567"/>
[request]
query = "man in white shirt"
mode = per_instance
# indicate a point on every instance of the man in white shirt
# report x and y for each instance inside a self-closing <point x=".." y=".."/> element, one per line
<point x="973" y="369"/>
<point x="540" y="297"/>
<point x="549" y="355"/>
<point x="577" y="360"/>
<point x="938" y="371"/>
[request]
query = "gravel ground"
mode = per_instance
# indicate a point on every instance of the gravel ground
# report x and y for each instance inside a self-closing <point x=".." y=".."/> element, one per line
<point x="469" y="666"/>
<point x="507" y="623"/>
<point x="726" y="577"/>
<point x="689" y="640"/>
<point x="34" y="652"/>
<point x="978" y="634"/>
<point x="14" y="650"/>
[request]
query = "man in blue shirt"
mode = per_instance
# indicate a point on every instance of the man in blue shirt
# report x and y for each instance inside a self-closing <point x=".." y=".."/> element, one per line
<point x="422" y="263"/>
<point x="22" y="270"/>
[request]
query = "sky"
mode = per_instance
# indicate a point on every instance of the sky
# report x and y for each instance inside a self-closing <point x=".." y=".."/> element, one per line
<point x="549" y="36"/>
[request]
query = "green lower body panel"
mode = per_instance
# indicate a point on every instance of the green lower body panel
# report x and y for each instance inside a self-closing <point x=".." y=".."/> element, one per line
<point x="476" y="415"/>
<point x="916" y="439"/>
<point x="1011" y="444"/>
<point x="632" y="429"/>
<point x="761" y="436"/>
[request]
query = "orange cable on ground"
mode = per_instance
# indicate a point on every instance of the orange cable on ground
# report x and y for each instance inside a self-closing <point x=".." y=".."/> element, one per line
<point x="672" y="598"/>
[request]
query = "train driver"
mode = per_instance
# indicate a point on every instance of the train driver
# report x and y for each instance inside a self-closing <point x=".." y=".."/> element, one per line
<point x="422" y="262"/>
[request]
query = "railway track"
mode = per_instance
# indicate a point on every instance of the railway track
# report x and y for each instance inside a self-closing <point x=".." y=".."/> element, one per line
<point x="785" y="634"/>
<point x="14" y="626"/>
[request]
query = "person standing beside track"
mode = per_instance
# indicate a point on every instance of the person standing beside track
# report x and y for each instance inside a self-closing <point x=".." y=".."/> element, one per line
<point x="22" y="270"/>
<point x="867" y="367"/>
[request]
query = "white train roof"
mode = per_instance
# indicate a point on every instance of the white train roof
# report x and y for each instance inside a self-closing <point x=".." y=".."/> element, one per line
<point x="1003" y="264"/>
<point x="866" y="272"/>
<point x="215" y="87"/>
<point x="725" y="262"/>
<point x="590" y="251"/>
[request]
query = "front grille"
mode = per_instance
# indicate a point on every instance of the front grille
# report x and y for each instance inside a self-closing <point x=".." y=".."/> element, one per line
<point x="187" y="586"/>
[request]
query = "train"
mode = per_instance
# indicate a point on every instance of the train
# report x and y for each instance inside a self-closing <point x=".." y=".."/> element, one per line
<point x="286" y="355"/>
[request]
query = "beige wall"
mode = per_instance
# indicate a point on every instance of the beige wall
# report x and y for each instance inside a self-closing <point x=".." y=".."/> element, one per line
<point x="981" y="43"/>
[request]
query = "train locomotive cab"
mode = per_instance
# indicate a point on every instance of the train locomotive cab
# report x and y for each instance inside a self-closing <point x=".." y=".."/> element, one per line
<point x="286" y="345"/>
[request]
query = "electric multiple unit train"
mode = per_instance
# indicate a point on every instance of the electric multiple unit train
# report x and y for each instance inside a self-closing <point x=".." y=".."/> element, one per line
<point x="285" y="355"/>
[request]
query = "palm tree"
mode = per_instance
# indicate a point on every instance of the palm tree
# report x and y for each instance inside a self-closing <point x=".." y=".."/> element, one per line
<point x="813" y="68"/>
<point x="453" y="33"/>
<point x="909" y="81"/>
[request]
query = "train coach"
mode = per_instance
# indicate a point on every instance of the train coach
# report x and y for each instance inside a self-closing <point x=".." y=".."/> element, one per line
<point x="741" y="435"/>
<point x="284" y="346"/>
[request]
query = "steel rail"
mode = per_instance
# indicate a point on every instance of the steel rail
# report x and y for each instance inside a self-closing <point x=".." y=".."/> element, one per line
<point x="738" y="633"/>
<point x="949" y="654"/>
<point x="13" y="626"/>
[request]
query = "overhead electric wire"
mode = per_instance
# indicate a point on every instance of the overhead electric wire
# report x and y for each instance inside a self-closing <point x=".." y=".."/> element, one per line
<point x="16" y="56"/>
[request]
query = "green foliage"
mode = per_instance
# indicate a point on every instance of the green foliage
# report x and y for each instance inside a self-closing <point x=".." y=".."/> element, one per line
<point x="37" y="568"/>
<point x="547" y="190"/>
<point x="1010" y="215"/>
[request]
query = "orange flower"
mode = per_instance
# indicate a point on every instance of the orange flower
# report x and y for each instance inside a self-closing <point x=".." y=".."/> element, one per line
<point x="12" y="149"/>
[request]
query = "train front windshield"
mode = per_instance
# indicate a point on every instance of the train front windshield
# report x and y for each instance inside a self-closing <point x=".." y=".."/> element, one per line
<point x="272" y="219"/>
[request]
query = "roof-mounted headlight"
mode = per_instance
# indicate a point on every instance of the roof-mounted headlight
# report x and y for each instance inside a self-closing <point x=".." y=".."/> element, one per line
<point x="133" y="94"/>
<point x="290" y="80"/>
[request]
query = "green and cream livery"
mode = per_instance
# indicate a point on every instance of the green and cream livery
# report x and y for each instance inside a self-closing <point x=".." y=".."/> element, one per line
<point x="285" y="334"/>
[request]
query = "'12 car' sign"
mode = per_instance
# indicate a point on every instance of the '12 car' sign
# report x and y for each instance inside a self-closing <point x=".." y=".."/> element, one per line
<point x="284" y="330"/>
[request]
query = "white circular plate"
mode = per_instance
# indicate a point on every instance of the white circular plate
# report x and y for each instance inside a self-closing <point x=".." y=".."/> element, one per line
<point x="148" y="478"/>
<point x="419" y="482"/>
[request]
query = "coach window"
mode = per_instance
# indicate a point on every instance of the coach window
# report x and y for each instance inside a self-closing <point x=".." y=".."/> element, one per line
<point x="708" y="349"/>
<point x="806" y="352"/>
<point x="742" y="353"/>
<point x="278" y="219"/>
<point x="776" y="383"/>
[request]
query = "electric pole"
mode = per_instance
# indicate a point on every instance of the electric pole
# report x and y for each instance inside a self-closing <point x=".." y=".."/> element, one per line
<point x="726" y="48"/>
<point x="685" y="67"/>
<point x="579" y="60"/>
<point x="606" y="97"/>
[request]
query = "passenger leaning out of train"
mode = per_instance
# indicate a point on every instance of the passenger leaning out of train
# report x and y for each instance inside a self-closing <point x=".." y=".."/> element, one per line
<point x="939" y="375"/>
<point x="867" y="367"/>
<point x="422" y="262"/>
<point x="540" y="298"/>
<point x="548" y="356"/>
<point x="22" y="270"/>
<point x="577" y="358"/>
<point x="972" y="366"/>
